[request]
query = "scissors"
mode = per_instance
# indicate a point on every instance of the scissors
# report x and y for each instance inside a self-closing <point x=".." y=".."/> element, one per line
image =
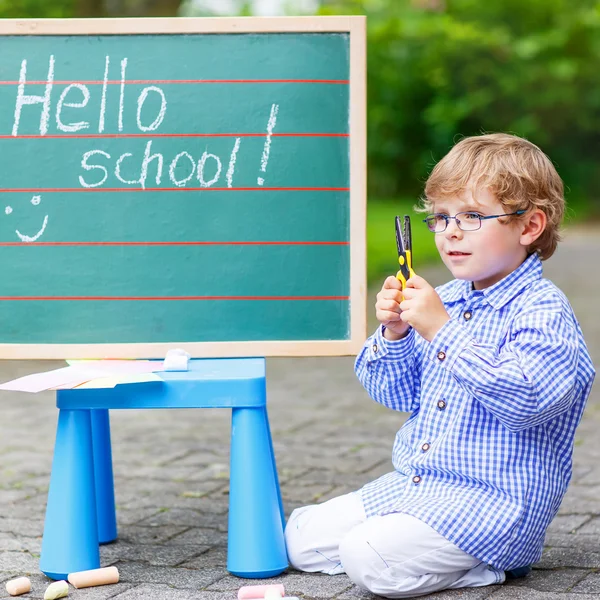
<point x="404" y="243"/>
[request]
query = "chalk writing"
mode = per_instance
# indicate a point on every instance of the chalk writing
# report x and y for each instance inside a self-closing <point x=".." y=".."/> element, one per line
<point x="98" y="165"/>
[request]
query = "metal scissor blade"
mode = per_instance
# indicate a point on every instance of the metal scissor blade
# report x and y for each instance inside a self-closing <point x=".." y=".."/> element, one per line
<point x="401" y="244"/>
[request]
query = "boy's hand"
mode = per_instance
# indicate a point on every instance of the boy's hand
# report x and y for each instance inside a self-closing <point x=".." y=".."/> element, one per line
<point x="387" y="309"/>
<point x="422" y="308"/>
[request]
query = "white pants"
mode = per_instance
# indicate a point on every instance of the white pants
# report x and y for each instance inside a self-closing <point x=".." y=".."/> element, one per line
<point x="395" y="555"/>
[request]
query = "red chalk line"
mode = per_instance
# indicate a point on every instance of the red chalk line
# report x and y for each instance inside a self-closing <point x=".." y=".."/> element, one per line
<point x="163" y="298"/>
<point x="55" y="136"/>
<point x="176" y="189"/>
<point x="182" y="81"/>
<point x="167" y="243"/>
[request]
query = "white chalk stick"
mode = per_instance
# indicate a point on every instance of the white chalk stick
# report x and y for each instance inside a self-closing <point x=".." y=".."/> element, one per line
<point x="94" y="577"/>
<point x="273" y="594"/>
<point x="16" y="587"/>
<point x="58" y="589"/>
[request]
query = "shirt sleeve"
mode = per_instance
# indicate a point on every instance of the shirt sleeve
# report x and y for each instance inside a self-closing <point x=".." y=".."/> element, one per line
<point x="390" y="371"/>
<point x="528" y="380"/>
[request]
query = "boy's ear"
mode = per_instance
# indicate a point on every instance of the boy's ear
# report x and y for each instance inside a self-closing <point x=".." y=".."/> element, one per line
<point x="533" y="226"/>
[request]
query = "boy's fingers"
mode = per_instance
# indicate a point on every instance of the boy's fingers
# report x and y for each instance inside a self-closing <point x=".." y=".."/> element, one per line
<point x="391" y="283"/>
<point x="417" y="282"/>
<point x="395" y="295"/>
<point x="387" y="316"/>
<point x="391" y="305"/>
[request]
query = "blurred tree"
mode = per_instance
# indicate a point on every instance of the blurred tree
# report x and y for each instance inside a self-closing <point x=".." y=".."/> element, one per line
<point x="440" y="69"/>
<point x="41" y="9"/>
<point x="28" y="9"/>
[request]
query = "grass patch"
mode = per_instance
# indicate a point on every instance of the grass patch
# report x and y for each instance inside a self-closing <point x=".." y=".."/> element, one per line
<point x="382" y="255"/>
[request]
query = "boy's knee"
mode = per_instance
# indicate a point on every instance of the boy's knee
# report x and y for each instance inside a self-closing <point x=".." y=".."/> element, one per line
<point x="360" y="561"/>
<point x="296" y="541"/>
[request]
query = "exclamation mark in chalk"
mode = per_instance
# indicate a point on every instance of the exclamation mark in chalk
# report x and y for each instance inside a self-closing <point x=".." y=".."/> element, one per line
<point x="267" y="149"/>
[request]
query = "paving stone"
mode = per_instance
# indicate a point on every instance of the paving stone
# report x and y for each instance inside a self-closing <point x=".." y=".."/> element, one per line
<point x="26" y="527"/>
<point x="569" y="524"/>
<point x="19" y="562"/>
<point x="514" y="593"/>
<point x="11" y="542"/>
<point x="591" y="476"/>
<point x="569" y="557"/>
<point x="137" y="534"/>
<point x="550" y="580"/>
<point x="158" y="494"/>
<point x="580" y="499"/>
<point x="592" y="526"/>
<point x="164" y="592"/>
<point x="184" y="517"/>
<point x="131" y="516"/>
<point x="164" y="555"/>
<point x="214" y="557"/>
<point x="577" y="541"/>
<point x="589" y="585"/>
<point x="197" y="536"/>
<point x="131" y="572"/>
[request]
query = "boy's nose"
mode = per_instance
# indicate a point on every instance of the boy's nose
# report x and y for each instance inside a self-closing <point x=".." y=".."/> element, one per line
<point x="453" y="230"/>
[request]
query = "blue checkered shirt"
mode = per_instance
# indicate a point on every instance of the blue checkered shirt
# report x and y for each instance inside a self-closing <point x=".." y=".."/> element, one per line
<point x="486" y="454"/>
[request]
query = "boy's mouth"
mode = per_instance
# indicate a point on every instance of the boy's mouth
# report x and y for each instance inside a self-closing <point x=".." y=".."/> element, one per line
<point x="456" y="253"/>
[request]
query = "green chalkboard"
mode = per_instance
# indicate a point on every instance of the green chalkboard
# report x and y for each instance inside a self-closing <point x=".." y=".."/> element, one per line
<point x="197" y="183"/>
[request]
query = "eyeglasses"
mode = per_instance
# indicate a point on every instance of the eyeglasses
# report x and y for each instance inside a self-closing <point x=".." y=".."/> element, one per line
<point x="466" y="221"/>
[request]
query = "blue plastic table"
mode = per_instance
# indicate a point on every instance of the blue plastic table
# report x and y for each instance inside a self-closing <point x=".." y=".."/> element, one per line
<point x="80" y="513"/>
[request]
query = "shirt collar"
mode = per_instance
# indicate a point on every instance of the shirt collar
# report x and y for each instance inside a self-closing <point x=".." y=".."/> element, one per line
<point x="499" y="294"/>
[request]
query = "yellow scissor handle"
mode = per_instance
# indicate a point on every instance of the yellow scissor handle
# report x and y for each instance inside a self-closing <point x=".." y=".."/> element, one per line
<point x="400" y="275"/>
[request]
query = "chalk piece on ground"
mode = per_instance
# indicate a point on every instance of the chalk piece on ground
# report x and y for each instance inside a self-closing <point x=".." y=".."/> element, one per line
<point x="253" y="592"/>
<point x="273" y="594"/>
<point x="16" y="587"/>
<point x="58" y="589"/>
<point x="83" y="579"/>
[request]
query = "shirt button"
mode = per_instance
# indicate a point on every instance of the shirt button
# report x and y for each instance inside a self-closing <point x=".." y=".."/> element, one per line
<point x="425" y="447"/>
<point x="441" y="404"/>
<point x="467" y="315"/>
<point x="375" y="348"/>
<point x="416" y="479"/>
<point x="441" y="356"/>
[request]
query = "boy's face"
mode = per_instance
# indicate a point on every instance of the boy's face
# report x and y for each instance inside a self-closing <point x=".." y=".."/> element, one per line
<point x="484" y="256"/>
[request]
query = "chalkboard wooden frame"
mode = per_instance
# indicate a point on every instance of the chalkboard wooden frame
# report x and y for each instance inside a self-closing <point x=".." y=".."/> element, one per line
<point x="352" y="25"/>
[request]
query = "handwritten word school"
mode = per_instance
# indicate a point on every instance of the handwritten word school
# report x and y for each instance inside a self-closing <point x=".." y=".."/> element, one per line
<point x="96" y="163"/>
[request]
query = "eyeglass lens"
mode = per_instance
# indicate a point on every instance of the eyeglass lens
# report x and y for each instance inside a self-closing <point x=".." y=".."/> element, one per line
<point x="467" y="221"/>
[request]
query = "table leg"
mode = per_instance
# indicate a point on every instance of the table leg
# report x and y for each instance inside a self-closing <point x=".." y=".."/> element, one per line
<point x="256" y="546"/>
<point x="70" y="541"/>
<point x="103" y="475"/>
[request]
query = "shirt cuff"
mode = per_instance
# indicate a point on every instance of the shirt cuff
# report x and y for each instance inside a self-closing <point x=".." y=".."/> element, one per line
<point x="448" y="343"/>
<point x="379" y="347"/>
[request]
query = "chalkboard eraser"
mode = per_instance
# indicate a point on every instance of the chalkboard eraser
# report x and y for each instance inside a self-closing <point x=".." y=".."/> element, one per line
<point x="176" y="360"/>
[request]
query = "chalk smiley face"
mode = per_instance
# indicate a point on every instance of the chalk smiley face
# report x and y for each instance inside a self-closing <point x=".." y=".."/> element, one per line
<point x="27" y="238"/>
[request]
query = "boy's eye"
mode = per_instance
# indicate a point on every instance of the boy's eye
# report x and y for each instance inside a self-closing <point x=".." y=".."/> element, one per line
<point x="440" y="217"/>
<point x="471" y="215"/>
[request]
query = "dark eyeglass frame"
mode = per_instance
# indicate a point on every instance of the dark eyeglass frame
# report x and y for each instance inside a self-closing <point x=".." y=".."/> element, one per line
<point x="447" y="219"/>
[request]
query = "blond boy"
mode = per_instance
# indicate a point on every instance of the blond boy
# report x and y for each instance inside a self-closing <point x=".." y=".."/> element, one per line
<point x="494" y="370"/>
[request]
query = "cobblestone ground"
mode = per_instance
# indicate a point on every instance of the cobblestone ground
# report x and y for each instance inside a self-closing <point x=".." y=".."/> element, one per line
<point x="171" y="474"/>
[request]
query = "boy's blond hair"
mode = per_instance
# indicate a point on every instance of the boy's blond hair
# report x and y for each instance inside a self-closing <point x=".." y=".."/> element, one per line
<point x="520" y="175"/>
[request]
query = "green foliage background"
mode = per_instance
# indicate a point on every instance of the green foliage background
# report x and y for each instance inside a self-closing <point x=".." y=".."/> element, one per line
<point x="440" y="70"/>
